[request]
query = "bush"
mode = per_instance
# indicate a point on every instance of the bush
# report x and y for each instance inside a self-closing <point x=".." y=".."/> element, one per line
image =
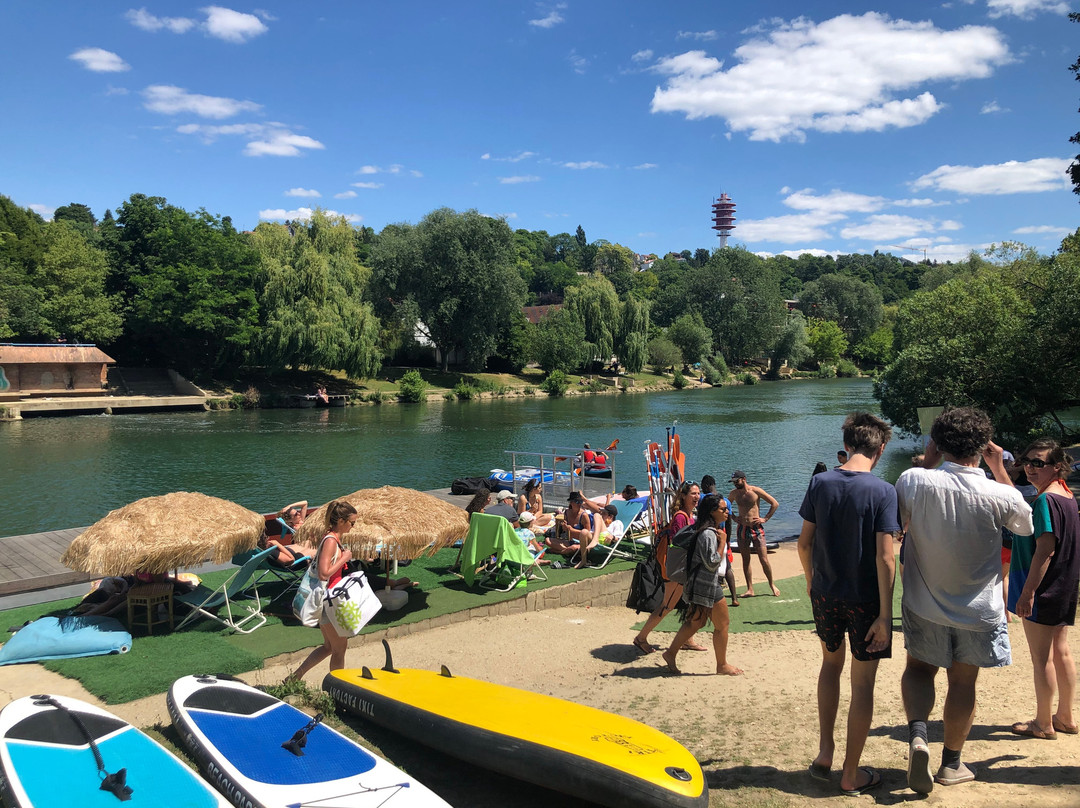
<point x="663" y="354"/>
<point x="448" y="395"/>
<point x="375" y="397"/>
<point x="846" y="369"/>
<point x="412" y="387"/>
<point x="464" y="391"/>
<point x="529" y="390"/>
<point x="594" y="386"/>
<point x="217" y="404"/>
<point x="713" y="375"/>
<point x="678" y="381"/>
<point x="235" y="401"/>
<point x="826" y="372"/>
<point x="555" y="384"/>
<point x="250" y="399"/>
<point x="748" y="378"/>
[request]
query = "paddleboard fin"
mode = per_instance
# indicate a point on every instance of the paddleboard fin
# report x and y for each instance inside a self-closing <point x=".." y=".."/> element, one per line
<point x="389" y="666"/>
<point x="116" y="784"/>
<point x="365" y="672"/>
<point x="446" y="672"/>
<point x="298" y="741"/>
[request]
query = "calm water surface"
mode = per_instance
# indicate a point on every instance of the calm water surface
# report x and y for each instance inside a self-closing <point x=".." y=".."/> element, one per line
<point x="68" y="472"/>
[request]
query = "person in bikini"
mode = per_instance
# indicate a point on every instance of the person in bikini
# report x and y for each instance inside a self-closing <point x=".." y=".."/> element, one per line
<point x="751" y="530"/>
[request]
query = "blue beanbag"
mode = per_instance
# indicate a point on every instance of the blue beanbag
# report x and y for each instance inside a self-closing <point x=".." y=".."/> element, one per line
<point x="66" y="637"/>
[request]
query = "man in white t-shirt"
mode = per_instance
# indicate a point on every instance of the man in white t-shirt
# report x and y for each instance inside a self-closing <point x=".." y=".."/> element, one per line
<point x="953" y="613"/>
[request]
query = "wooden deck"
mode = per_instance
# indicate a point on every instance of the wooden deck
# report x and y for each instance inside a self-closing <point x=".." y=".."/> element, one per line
<point x="32" y="562"/>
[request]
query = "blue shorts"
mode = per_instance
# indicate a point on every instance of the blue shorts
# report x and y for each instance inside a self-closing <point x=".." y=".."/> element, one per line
<point x="940" y="645"/>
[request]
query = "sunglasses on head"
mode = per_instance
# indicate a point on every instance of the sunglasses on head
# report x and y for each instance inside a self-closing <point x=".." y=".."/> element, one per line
<point x="687" y="486"/>
<point x="1034" y="462"/>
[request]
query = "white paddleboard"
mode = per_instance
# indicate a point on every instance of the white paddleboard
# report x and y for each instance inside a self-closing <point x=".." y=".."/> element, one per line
<point x="236" y="733"/>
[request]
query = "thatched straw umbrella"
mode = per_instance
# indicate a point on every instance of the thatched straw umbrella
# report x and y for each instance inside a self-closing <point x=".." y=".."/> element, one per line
<point x="405" y="522"/>
<point x="158" y="534"/>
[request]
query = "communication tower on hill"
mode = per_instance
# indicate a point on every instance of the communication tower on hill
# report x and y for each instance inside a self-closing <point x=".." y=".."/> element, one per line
<point x="723" y="210"/>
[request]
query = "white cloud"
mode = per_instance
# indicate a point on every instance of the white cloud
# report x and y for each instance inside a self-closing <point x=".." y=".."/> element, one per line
<point x="232" y="26"/>
<point x="518" y="179"/>
<point x="504" y="216"/>
<point x="990" y="107"/>
<point x="44" y="211"/>
<point x="584" y="165"/>
<point x="170" y="100"/>
<point x="839" y="75"/>
<point x="552" y="18"/>
<point x="209" y="134"/>
<point x="368" y="170"/>
<point x="280" y="214"/>
<point x="396" y="168"/>
<point x="700" y="36"/>
<point x="141" y="18"/>
<point x="413" y="172"/>
<point x="795" y="227"/>
<point x="917" y="203"/>
<point x="100" y="60"/>
<point x="370" y="185"/>
<point x="346" y="195"/>
<point x="835" y="202"/>
<point x="815" y="251"/>
<point x="516" y="158"/>
<point x="1024" y="8"/>
<point x="644" y="166"/>
<point x="281" y="143"/>
<point x="647" y="234"/>
<point x="116" y="90"/>
<point x="642" y="56"/>
<point x="1042" y="230"/>
<point x="1012" y="177"/>
<point x="577" y="62"/>
<point x="304" y="192"/>
<point x="888" y="227"/>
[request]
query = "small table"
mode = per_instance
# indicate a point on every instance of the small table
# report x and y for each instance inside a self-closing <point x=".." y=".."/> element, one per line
<point x="151" y="596"/>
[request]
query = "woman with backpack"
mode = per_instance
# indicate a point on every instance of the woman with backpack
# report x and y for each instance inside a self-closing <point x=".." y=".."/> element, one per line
<point x="703" y="594"/>
<point x="686" y="501"/>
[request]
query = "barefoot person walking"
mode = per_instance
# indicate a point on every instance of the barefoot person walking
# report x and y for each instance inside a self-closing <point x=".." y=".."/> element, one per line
<point x="752" y="527"/>
<point x="846" y="550"/>
<point x="703" y="595"/>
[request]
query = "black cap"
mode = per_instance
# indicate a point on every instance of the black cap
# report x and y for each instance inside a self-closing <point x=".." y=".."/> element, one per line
<point x="738" y="474"/>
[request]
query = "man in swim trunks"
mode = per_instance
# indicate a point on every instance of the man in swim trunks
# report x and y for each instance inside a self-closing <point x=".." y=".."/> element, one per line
<point x="751" y="529"/>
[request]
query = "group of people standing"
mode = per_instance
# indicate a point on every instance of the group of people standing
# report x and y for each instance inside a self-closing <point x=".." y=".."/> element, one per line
<point x="951" y="518"/>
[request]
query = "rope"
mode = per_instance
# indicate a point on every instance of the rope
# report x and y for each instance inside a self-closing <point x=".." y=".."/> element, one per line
<point x="115" y="784"/>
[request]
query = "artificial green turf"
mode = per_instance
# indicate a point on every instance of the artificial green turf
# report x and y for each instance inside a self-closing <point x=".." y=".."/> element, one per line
<point x="789" y="612"/>
<point x="202" y="646"/>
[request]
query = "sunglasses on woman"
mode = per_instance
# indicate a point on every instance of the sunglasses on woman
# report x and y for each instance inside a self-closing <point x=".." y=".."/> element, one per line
<point x="1034" y="462"/>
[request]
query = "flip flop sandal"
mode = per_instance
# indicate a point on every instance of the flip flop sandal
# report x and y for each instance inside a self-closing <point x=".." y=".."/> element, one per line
<point x="820" y="772"/>
<point x="873" y="782"/>
<point x="643" y="646"/>
<point x="689" y="647"/>
<point x="1060" y="726"/>
<point x="1030" y="729"/>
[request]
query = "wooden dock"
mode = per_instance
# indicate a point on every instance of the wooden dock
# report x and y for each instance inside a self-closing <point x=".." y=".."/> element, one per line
<point x="32" y="562"/>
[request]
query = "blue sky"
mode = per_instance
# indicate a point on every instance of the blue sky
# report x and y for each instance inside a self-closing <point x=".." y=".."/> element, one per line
<point x="835" y="127"/>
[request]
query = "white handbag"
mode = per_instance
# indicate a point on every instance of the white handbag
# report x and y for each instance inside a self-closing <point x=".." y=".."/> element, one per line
<point x="310" y="595"/>
<point x="351" y="603"/>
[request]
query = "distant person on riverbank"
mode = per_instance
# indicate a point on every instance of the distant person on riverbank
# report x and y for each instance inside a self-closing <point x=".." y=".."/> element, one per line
<point x="846" y="549"/>
<point x="953" y="613"/>
<point x="331" y="557"/>
<point x="751" y="530"/>
<point x="703" y="595"/>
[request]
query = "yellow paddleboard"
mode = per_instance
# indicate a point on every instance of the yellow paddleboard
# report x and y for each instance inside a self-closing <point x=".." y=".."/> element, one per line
<point x="582" y="751"/>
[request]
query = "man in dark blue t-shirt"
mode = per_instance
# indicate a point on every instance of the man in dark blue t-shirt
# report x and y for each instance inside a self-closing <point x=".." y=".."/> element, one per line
<point x="846" y="549"/>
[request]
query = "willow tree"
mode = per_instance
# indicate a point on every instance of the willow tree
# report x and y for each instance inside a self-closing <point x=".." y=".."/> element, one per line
<point x="312" y="297"/>
<point x="598" y="306"/>
<point x="632" y="342"/>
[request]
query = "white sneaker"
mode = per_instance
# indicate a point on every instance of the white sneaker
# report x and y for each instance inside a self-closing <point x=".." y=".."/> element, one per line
<point x="918" y="767"/>
<point x="954" y="775"/>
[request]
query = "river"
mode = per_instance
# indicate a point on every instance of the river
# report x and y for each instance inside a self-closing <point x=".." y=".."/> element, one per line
<point x="67" y="472"/>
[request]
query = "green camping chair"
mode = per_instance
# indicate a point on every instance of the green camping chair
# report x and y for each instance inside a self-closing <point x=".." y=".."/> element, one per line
<point x="203" y="600"/>
<point x="489" y="536"/>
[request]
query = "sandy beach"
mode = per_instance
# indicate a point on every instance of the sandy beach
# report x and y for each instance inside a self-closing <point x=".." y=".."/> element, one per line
<point x="754" y="734"/>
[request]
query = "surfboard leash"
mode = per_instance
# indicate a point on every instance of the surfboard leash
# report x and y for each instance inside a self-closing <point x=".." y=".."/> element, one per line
<point x="115" y="784"/>
<point x="298" y="741"/>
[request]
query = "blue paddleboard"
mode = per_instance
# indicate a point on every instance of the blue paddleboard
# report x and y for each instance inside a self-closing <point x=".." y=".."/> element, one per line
<point x="264" y="753"/>
<point x="48" y="760"/>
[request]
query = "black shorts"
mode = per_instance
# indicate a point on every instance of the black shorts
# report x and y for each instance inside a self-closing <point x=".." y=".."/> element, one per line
<point x="833" y="618"/>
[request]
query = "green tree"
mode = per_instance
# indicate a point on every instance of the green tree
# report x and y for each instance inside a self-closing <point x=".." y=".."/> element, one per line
<point x="312" y="297"/>
<point x="1074" y="167"/>
<point x="877" y="348"/>
<point x="855" y="305"/>
<point x="78" y="215"/>
<point x="72" y="281"/>
<point x="412" y="387"/>
<point x="631" y="342"/>
<point x="595" y="303"/>
<point x="663" y="354"/>
<point x="611" y="258"/>
<point x="691" y="336"/>
<point x="460" y="270"/>
<point x="188" y="282"/>
<point x="558" y="341"/>
<point x="826" y="341"/>
<point x="792" y="346"/>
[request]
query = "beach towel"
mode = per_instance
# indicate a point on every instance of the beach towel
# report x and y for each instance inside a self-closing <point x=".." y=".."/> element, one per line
<point x="66" y="637"/>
